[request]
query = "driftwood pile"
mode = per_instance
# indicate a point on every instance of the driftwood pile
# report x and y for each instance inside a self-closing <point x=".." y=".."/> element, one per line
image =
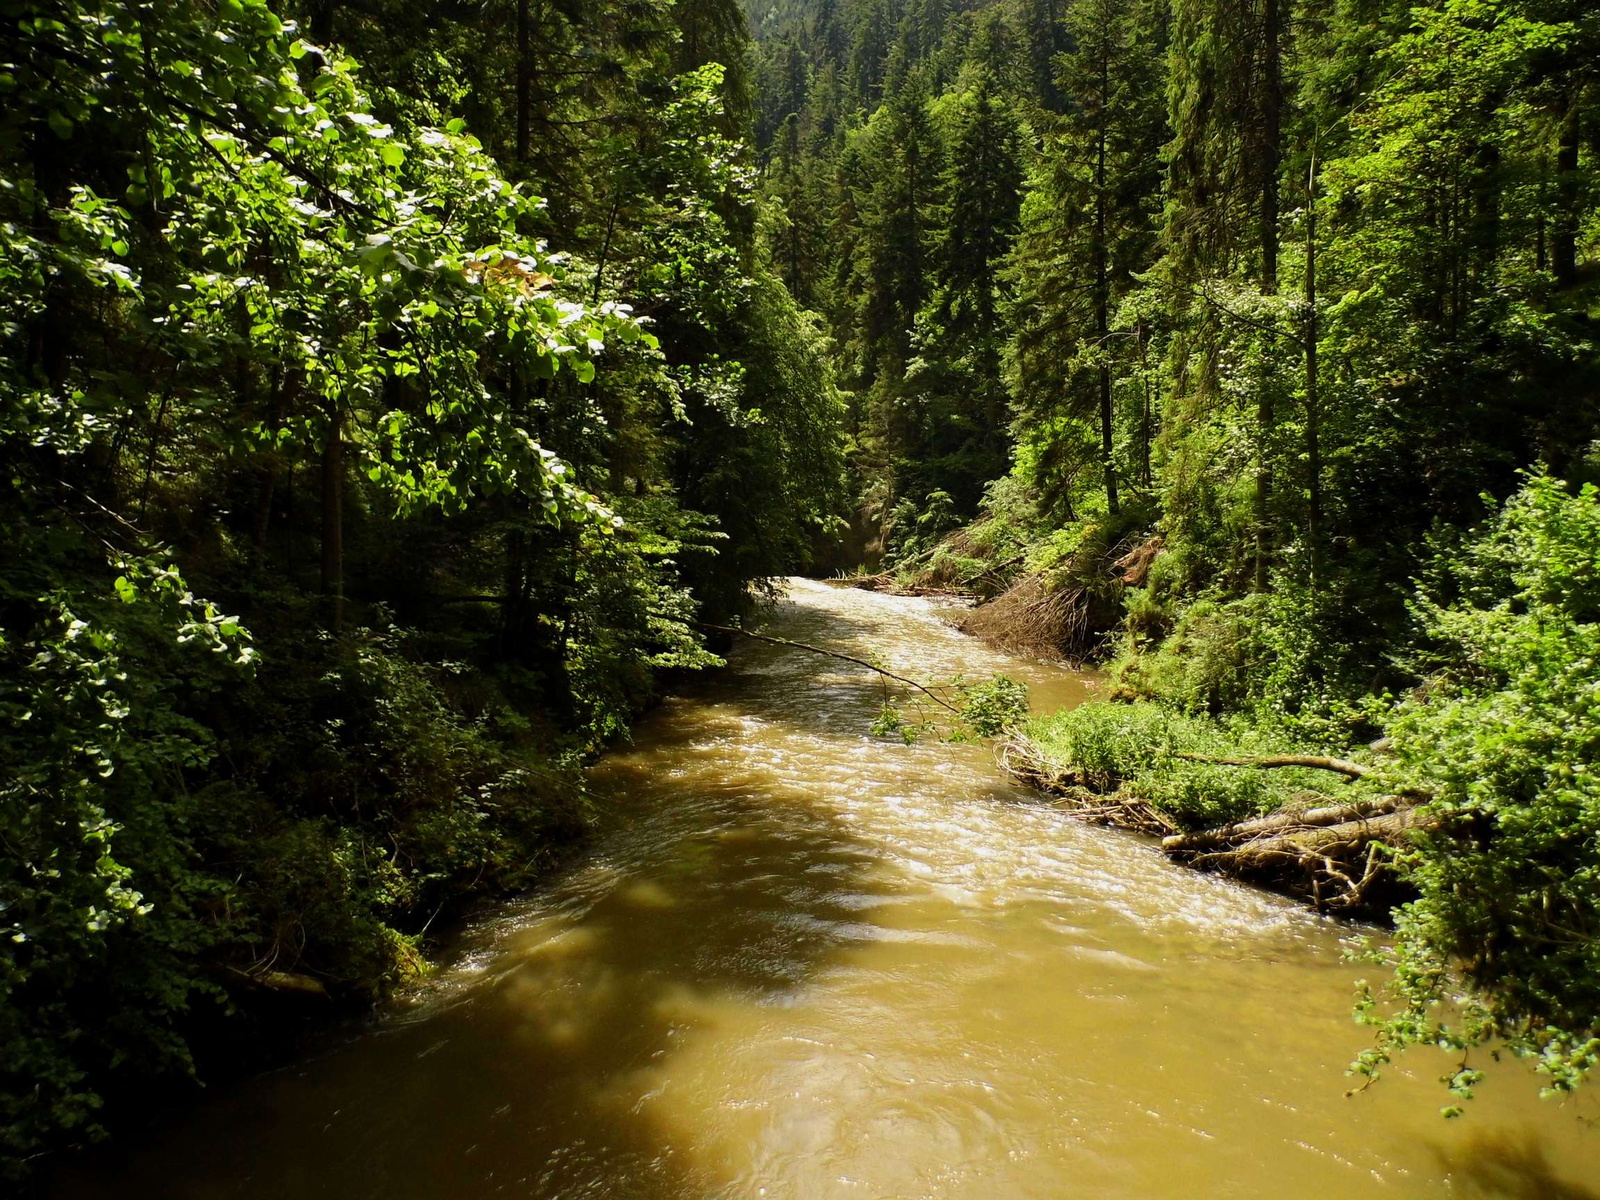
<point x="1022" y="760"/>
<point x="1335" y="856"/>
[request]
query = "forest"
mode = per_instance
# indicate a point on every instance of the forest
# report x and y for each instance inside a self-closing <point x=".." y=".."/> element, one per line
<point x="1250" y="349"/>
<point x="396" y="399"/>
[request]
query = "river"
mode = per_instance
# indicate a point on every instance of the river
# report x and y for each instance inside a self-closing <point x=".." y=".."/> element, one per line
<point x="803" y="963"/>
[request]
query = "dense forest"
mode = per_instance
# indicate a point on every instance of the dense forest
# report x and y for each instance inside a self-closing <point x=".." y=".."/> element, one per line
<point x="392" y="394"/>
<point x="387" y="390"/>
<point x="1250" y="347"/>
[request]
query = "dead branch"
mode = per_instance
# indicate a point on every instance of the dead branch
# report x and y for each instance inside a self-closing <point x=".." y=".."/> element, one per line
<point x="1315" y="761"/>
<point x="1280" y="823"/>
<point x="861" y="662"/>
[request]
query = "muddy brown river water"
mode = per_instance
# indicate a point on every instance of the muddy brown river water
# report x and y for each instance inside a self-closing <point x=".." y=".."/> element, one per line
<point x="802" y="963"/>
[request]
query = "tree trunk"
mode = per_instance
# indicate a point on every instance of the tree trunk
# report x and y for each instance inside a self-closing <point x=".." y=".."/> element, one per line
<point x="320" y="22"/>
<point x="1271" y="139"/>
<point x="1564" y="231"/>
<point x="1147" y="413"/>
<point x="1102" y="290"/>
<point x="1313" y="414"/>
<point x="514" y="614"/>
<point x="333" y="519"/>
<point x="1541" y="251"/>
<point x="1271" y="158"/>
<point x="524" y="86"/>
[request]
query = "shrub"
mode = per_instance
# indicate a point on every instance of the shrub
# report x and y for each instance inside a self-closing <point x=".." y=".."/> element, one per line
<point x="1506" y="735"/>
<point x="1137" y="747"/>
<point x="989" y="709"/>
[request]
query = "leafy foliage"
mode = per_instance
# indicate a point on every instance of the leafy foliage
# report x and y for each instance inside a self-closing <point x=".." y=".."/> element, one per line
<point x="1506" y="735"/>
<point x="990" y="709"/>
<point x="283" y="330"/>
<point x="1141" y="747"/>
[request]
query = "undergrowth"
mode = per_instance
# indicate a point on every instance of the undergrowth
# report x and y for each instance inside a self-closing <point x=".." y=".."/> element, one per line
<point x="1137" y="748"/>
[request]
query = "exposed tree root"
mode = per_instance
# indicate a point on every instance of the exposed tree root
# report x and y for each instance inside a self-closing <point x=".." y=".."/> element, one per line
<point x="1133" y="568"/>
<point x="1039" y="621"/>
<point x="1342" y="867"/>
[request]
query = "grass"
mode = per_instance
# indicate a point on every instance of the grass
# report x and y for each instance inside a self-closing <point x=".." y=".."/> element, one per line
<point x="1135" y="747"/>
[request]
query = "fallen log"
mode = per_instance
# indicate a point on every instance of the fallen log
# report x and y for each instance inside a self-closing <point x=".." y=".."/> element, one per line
<point x="282" y="981"/>
<point x="1318" y="762"/>
<point x="1337" y="867"/>
<point x="1282" y="822"/>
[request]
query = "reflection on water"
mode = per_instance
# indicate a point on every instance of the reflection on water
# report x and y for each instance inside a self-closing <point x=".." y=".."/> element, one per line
<point x="805" y="963"/>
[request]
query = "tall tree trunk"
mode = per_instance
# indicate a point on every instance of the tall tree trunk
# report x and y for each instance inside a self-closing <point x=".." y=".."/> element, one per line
<point x="1486" y="210"/>
<point x="320" y="22"/>
<point x="1564" y="231"/>
<point x="1541" y="250"/>
<point x="1271" y="141"/>
<point x="524" y="85"/>
<point x="1313" y="414"/>
<point x="514" y="609"/>
<point x="1102" y="288"/>
<point x="267" y="476"/>
<point x="1271" y="158"/>
<point x="1147" y="414"/>
<point x="333" y="518"/>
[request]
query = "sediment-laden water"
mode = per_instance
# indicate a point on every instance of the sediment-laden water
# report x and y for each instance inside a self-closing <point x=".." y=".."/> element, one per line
<point x="805" y="963"/>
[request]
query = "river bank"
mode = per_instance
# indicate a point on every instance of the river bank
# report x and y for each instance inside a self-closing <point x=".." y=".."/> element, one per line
<point x="801" y="959"/>
<point x="1334" y="852"/>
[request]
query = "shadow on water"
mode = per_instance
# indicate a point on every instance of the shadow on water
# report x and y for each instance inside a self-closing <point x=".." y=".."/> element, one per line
<point x="1498" y="1166"/>
<point x="538" y="1079"/>
<point x="718" y="892"/>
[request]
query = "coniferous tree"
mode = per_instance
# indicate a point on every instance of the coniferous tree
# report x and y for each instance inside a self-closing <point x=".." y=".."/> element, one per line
<point x="1087" y="228"/>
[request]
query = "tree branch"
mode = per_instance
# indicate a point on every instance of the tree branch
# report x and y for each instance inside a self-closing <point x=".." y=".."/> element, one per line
<point x="1315" y="761"/>
<point x="778" y="641"/>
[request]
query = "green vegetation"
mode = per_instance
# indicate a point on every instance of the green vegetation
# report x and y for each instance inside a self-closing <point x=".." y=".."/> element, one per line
<point x="383" y="396"/>
<point x="1506" y="735"/>
<point x="391" y="394"/>
<point x="1139" y="747"/>
<point x="1249" y="347"/>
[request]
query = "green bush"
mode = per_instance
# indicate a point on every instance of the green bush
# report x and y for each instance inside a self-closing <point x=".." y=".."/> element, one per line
<point x="180" y="817"/>
<point x="990" y="709"/>
<point x="1506" y="736"/>
<point x="1137" y="747"/>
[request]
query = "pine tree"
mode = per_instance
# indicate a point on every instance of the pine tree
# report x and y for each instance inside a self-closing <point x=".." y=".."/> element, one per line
<point x="983" y="184"/>
<point x="1087" y="227"/>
